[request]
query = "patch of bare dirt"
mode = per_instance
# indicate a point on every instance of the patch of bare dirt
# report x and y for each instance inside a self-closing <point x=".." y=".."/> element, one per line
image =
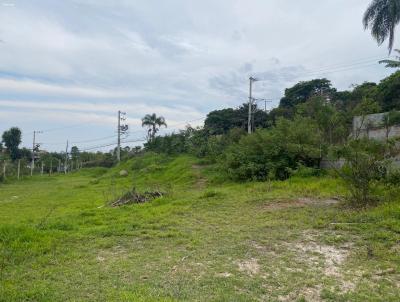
<point x="313" y="253"/>
<point x="224" y="275"/>
<point x="201" y="182"/>
<point x="309" y="294"/>
<point x="299" y="203"/>
<point x="112" y="254"/>
<point x="194" y="270"/>
<point x="250" y="267"/>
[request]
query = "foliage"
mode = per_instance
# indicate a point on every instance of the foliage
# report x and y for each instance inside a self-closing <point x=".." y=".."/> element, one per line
<point x="74" y="153"/>
<point x="388" y="92"/>
<point x="331" y="122"/>
<point x="366" y="107"/>
<point x="367" y="162"/>
<point x="382" y="17"/>
<point x="221" y="121"/>
<point x="303" y="91"/>
<point x="389" y="120"/>
<point x="12" y="140"/>
<point x="392" y="63"/>
<point x="195" y="141"/>
<point x="273" y="153"/>
<point x="153" y="122"/>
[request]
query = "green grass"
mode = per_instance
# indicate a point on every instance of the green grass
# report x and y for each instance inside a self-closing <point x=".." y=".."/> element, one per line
<point x="205" y="240"/>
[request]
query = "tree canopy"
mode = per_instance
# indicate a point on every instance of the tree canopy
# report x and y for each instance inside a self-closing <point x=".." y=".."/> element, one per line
<point x="12" y="140"/>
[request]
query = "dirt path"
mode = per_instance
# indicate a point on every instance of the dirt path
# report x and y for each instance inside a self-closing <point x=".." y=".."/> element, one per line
<point x="201" y="181"/>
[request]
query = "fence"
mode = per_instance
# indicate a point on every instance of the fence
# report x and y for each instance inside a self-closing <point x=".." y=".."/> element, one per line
<point x="20" y="169"/>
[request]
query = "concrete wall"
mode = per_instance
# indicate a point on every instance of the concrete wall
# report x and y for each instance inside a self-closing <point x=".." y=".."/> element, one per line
<point x="372" y="127"/>
<point x="375" y="131"/>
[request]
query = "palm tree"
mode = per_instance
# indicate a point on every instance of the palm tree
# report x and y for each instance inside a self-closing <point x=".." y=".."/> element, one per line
<point x="382" y="17"/>
<point x="392" y="63"/>
<point x="154" y="123"/>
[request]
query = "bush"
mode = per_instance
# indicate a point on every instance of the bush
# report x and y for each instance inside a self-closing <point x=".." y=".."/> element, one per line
<point x="303" y="171"/>
<point x="393" y="177"/>
<point x="367" y="163"/>
<point x="274" y="153"/>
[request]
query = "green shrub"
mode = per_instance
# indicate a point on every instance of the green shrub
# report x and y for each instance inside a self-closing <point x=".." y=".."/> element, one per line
<point x="367" y="163"/>
<point x="274" y="153"/>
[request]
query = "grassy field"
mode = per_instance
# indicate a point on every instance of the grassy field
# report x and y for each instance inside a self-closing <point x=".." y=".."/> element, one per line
<point x="206" y="240"/>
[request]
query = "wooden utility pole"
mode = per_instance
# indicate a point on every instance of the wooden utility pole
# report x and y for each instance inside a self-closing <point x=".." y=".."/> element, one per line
<point x="41" y="170"/>
<point x="51" y="166"/>
<point x="33" y="153"/>
<point x="119" y="137"/>
<point x="19" y="168"/>
<point x="66" y="159"/>
<point x="4" y="169"/>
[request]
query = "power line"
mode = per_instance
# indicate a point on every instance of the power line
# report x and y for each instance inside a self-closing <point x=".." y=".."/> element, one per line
<point x="349" y="64"/>
<point x="327" y="71"/>
<point x="94" y="140"/>
<point x="112" y="144"/>
<point x="60" y="128"/>
<point x="339" y="67"/>
<point x="324" y="71"/>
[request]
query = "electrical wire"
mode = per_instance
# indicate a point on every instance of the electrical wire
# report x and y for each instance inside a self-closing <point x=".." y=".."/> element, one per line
<point x="112" y="144"/>
<point x="340" y="67"/>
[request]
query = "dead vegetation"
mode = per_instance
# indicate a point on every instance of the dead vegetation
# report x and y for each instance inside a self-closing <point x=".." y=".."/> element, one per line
<point x="132" y="197"/>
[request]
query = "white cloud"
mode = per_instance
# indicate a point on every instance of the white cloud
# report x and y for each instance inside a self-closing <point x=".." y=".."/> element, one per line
<point x="37" y="88"/>
<point x="177" y="58"/>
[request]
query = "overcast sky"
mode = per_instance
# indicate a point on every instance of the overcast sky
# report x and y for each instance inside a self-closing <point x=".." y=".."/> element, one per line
<point x="75" y="63"/>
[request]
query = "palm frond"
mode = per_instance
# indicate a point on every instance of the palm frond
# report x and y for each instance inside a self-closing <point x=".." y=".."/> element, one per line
<point x="382" y="17"/>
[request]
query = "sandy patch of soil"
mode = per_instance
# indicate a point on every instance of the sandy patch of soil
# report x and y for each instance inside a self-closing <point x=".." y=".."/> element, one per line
<point x="299" y="203"/>
<point x="224" y="275"/>
<point x="250" y="267"/>
<point x="333" y="258"/>
<point x="309" y="294"/>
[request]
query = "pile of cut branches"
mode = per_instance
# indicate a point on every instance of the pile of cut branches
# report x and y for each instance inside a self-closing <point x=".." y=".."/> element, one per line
<point x="132" y="196"/>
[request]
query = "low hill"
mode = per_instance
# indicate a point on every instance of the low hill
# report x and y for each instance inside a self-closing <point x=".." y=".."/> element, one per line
<point x="204" y="240"/>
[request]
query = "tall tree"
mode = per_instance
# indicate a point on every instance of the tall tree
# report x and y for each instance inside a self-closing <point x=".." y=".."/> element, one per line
<point x="382" y="17"/>
<point x="12" y="139"/>
<point x="153" y="123"/>
<point x="303" y="91"/>
<point x="222" y="121"/>
<point x="388" y="92"/>
<point x="75" y="153"/>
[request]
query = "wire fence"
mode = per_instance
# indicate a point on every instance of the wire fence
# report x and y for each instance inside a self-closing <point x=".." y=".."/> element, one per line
<point x="22" y="169"/>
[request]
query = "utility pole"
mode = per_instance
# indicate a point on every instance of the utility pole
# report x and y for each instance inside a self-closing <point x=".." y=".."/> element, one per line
<point x="33" y="153"/>
<point x="35" y="146"/>
<point x="66" y="159"/>
<point x="19" y="168"/>
<point x="251" y="80"/>
<point x="51" y="166"/>
<point x="122" y="129"/>
<point x="119" y="137"/>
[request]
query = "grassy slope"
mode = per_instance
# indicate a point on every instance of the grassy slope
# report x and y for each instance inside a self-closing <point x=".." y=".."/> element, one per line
<point x="204" y="241"/>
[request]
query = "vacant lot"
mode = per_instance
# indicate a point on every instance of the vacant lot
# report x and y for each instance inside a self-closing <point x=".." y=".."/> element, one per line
<point x="206" y="240"/>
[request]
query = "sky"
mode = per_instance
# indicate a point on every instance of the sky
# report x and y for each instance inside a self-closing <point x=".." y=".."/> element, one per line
<point x="67" y="67"/>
